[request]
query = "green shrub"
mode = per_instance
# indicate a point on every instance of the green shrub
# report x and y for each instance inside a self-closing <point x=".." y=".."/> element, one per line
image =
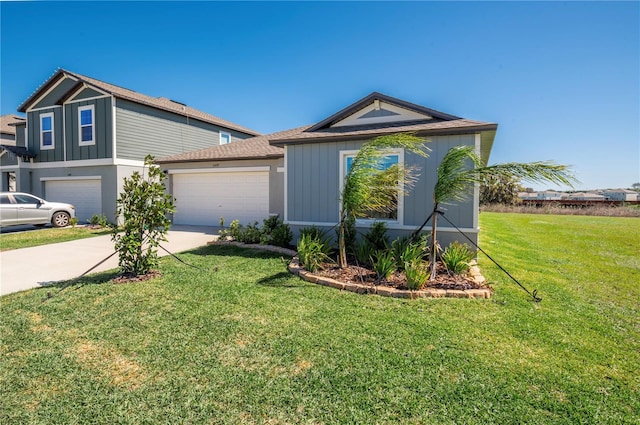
<point x="417" y="274"/>
<point x="73" y="221"/>
<point x="377" y="236"/>
<point x="99" y="220"/>
<point x="235" y="230"/>
<point x="384" y="264"/>
<point x="457" y="257"/>
<point x="251" y="234"/>
<point x="320" y="235"/>
<point x="144" y="207"/>
<point x="364" y="252"/>
<point x="275" y="232"/>
<point x="413" y="252"/>
<point x="310" y="253"/>
<point x="281" y="235"/>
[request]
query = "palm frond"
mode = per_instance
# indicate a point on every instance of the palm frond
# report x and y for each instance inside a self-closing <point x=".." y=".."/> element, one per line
<point x="461" y="168"/>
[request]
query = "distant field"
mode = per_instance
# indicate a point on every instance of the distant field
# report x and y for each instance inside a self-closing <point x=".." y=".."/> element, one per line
<point x="241" y="341"/>
<point x="595" y="210"/>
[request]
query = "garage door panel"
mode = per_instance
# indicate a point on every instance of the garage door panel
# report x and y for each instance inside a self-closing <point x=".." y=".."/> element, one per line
<point x="85" y="195"/>
<point x="202" y="198"/>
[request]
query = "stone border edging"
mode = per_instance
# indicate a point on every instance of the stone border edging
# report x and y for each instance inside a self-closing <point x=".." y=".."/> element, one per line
<point x="296" y="268"/>
<point x="386" y="291"/>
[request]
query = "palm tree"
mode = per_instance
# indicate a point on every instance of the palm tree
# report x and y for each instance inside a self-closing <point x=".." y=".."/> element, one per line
<point x="370" y="187"/>
<point x="462" y="167"/>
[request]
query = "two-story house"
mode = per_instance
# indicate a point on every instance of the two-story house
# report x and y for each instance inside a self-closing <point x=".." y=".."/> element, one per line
<point x="83" y="136"/>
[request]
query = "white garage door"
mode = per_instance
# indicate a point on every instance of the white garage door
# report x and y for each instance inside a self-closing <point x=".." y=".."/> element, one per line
<point x="85" y="195"/>
<point x="202" y="198"/>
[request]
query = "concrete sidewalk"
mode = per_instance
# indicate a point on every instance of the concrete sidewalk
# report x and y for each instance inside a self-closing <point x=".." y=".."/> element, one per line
<point x="38" y="266"/>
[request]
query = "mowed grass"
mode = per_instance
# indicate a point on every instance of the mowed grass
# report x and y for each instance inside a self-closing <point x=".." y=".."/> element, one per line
<point x="47" y="236"/>
<point x="242" y="341"/>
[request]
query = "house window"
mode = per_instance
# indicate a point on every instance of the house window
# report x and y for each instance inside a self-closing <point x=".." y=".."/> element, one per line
<point x="47" y="140"/>
<point x="225" y="138"/>
<point x="86" y="125"/>
<point x="395" y="157"/>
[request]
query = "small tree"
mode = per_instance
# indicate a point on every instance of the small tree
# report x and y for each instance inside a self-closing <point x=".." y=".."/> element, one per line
<point x="370" y="187"/>
<point x="143" y="206"/>
<point x="462" y="167"/>
<point x="499" y="190"/>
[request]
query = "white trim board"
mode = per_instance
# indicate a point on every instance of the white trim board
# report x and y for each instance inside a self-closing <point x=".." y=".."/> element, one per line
<point x="390" y="226"/>
<point x="220" y="170"/>
<point x="86" y="163"/>
<point x="129" y="162"/>
<point x="55" y="179"/>
<point x="46" y="107"/>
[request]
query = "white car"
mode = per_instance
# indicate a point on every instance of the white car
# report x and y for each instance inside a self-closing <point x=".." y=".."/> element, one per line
<point x="22" y="208"/>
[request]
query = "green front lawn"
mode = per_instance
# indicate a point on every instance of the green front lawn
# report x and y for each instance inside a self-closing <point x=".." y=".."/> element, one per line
<point x="47" y="236"/>
<point x="243" y="341"/>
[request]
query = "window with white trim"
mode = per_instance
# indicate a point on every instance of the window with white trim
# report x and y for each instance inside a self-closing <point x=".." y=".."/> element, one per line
<point x="86" y="125"/>
<point x="47" y="140"/>
<point x="395" y="157"/>
<point x="225" y="138"/>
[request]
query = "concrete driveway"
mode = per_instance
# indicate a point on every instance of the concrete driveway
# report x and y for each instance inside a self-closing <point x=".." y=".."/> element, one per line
<point x="38" y="266"/>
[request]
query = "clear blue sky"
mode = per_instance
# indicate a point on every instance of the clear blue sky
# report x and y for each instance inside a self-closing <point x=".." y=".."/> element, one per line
<point x="562" y="80"/>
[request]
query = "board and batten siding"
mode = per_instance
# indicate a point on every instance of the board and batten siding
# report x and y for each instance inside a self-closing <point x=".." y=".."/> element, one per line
<point x="87" y="93"/>
<point x="143" y="130"/>
<point x="20" y="135"/>
<point x="313" y="180"/>
<point x="33" y="121"/>
<point x="102" y="148"/>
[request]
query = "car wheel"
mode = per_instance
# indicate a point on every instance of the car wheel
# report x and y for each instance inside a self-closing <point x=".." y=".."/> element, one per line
<point x="60" y="219"/>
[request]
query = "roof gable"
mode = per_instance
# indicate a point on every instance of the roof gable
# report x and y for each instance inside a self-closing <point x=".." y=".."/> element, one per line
<point x="378" y="108"/>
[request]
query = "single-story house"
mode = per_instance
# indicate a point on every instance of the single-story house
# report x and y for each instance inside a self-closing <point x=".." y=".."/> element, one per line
<point x="301" y="177"/>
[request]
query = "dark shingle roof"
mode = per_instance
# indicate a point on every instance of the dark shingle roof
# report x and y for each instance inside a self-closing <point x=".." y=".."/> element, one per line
<point x="253" y="148"/>
<point x="422" y="128"/>
<point x="156" y="102"/>
<point x="18" y="151"/>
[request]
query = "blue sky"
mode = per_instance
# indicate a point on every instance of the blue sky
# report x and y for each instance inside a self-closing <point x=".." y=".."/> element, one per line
<point x="562" y="80"/>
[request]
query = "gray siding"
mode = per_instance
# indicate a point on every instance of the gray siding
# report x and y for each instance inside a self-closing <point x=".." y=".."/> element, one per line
<point x="103" y="130"/>
<point x="20" y="140"/>
<point x="47" y="155"/>
<point x="313" y="179"/>
<point x="56" y="94"/>
<point x="142" y="130"/>
<point x="8" y="159"/>
<point x="87" y="93"/>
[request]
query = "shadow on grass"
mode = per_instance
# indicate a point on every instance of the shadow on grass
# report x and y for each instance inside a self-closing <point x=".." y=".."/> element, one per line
<point x="279" y="280"/>
<point x="67" y="285"/>
<point x="233" y="251"/>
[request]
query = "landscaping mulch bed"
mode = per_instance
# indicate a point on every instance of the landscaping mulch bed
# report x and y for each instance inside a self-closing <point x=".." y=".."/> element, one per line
<point x="362" y="275"/>
<point x="132" y="278"/>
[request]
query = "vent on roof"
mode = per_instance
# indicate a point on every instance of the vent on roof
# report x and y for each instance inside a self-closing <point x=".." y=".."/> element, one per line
<point x="171" y="100"/>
